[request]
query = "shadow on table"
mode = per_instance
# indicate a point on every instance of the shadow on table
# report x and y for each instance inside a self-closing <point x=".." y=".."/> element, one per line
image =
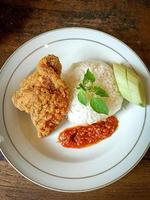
<point x="12" y="17"/>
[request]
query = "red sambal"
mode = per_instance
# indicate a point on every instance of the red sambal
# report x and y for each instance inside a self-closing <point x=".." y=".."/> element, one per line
<point x="83" y="136"/>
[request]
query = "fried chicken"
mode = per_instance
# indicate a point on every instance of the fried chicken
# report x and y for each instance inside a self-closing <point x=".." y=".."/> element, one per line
<point x="44" y="96"/>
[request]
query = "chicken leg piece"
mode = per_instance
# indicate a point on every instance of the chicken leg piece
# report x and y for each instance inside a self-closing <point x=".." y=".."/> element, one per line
<point x="44" y="95"/>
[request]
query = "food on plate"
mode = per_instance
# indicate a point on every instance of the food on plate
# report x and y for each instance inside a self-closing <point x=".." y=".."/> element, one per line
<point x="106" y="99"/>
<point x="121" y="79"/>
<point x="136" y="88"/>
<point x="130" y="84"/>
<point x="94" y="94"/>
<point x="83" y="136"/>
<point x="89" y="93"/>
<point x="44" y="95"/>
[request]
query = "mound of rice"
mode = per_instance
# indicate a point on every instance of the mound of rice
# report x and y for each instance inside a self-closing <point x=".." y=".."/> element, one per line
<point x="80" y="114"/>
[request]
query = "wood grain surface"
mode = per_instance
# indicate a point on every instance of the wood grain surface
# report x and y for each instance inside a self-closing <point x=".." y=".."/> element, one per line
<point x="128" y="20"/>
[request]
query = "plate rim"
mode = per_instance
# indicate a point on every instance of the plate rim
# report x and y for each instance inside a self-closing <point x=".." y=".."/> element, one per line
<point x="69" y="28"/>
<point x="73" y="27"/>
<point x="75" y="191"/>
<point x="10" y="138"/>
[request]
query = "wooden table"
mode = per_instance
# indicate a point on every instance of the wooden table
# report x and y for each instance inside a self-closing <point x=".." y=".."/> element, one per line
<point x="127" y="20"/>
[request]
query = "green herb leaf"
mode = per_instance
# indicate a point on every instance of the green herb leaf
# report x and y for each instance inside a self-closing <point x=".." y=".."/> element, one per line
<point x="88" y="76"/>
<point x="81" y="86"/>
<point x="82" y="97"/>
<point x="99" y="105"/>
<point x="99" y="91"/>
<point x="87" y="93"/>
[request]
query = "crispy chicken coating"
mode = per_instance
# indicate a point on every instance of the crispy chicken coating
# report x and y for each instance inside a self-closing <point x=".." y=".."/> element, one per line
<point x="44" y="95"/>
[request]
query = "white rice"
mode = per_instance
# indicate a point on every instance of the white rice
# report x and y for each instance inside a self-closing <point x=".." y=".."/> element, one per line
<point x="80" y="114"/>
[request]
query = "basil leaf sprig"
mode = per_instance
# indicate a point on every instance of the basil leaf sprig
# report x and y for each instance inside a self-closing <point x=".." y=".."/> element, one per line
<point x="91" y="94"/>
<point x="82" y="97"/>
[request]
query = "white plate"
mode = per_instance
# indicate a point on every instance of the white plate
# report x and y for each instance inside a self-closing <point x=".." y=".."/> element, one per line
<point x="46" y="162"/>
